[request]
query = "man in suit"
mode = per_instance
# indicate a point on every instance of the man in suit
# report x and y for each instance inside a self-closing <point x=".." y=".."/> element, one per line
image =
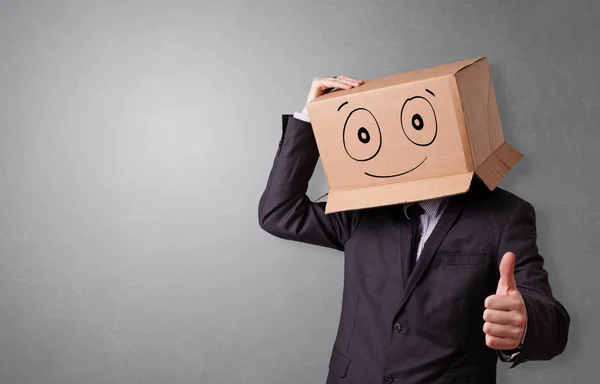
<point x="434" y="291"/>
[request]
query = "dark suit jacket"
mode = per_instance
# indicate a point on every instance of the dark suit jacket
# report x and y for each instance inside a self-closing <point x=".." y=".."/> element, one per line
<point x="426" y="327"/>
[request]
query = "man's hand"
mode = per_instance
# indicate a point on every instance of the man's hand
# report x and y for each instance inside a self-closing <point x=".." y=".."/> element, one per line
<point x="505" y="315"/>
<point x="322" y="85"/>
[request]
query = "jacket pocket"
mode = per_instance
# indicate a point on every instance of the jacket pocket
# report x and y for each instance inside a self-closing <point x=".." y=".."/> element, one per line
<point x="338" y="364"/>
<point x="461" y="259"/>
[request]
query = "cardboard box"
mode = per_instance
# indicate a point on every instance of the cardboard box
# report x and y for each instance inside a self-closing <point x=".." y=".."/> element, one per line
<point x="411" y="136"/>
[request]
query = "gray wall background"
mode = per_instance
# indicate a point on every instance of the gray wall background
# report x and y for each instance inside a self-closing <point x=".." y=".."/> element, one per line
<point x="136" y="139"/>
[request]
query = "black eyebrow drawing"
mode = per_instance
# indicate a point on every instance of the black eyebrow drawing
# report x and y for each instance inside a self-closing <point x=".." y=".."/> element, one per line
<point x="344" y="103"/>
<point x="430" y="92"/>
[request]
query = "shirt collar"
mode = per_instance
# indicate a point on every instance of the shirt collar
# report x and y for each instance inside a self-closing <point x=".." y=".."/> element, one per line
<point x="431" y="206"/>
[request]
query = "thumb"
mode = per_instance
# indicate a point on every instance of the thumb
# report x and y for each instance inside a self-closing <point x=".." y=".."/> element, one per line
<point x="507" y="282"/>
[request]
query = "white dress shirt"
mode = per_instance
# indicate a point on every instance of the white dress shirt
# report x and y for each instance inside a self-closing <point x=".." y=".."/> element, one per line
<point x="433" y="210"/>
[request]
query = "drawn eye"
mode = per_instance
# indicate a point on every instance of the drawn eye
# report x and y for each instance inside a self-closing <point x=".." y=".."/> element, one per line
<point x="362" y="135"/>
<point x="418" y="120"/>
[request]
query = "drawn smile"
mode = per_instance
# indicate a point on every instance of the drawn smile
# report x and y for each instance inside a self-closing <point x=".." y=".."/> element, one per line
<point x="398" y="174"/>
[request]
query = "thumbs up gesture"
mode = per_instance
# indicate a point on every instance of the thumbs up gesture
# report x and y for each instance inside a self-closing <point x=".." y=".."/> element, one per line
<point x="505" y="315"/>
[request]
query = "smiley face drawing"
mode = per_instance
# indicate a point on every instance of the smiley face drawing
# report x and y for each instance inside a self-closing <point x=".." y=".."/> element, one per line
<point x="362" y="134"/>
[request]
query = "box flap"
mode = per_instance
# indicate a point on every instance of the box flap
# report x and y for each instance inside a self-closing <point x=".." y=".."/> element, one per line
<point x="397" y="193"/>
<point x="496" y="166"/>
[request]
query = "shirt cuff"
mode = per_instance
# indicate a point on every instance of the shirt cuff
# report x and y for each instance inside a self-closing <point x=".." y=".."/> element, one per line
<point x="302" y="117"/>
<point x="508" y="357"/>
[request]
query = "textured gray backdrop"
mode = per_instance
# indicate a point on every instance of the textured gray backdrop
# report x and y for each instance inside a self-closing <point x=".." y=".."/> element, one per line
<point x="136" y="139"/>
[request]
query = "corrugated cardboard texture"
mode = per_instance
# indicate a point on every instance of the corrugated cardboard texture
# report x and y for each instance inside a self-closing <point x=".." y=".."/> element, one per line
<point x="462" y="125"/>
<point x="416" y="190"/>
<point x="411" y="136"/>
<point x="403" y="78"/>
<point x="390" y="151"/>
<point x="482" y="119"/>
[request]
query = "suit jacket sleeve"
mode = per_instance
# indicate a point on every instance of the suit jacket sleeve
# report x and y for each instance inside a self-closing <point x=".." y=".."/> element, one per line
<point x="547" y="320"/>
<point x="284" y="209"/>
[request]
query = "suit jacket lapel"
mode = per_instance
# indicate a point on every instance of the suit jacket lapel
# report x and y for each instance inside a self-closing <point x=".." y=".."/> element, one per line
<point x="451" y="213"/>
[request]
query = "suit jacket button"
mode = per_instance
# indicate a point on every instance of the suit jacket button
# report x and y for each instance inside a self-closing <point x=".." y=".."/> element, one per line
<point x="387" y="378"/>
<point x="397" y="328"/>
